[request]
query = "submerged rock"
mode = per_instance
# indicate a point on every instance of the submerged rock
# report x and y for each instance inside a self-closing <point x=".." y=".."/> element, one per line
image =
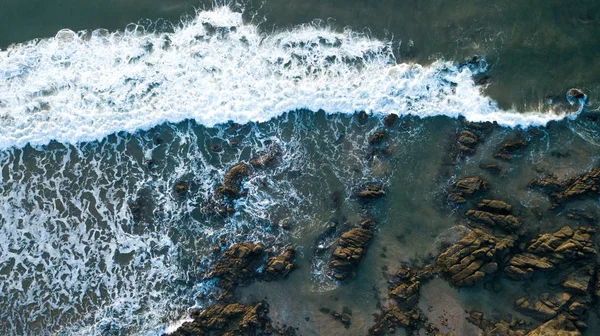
<point x="370" y="191"/>
<point x="560" y="192"/>
<point x="495" y="206"/>
<point x="466" y="188"/>
<point x="508" y="149"/>
<point x="575" y="96"/>
<point x="475" y="255"/>
<point x="549" y="251"/>
<point x="229" y="319"/>
<point x="266" y="159"/>
<point x="377" y="137"/>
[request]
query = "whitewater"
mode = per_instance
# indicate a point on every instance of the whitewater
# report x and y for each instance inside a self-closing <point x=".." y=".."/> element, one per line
<point x="79" y="87"/>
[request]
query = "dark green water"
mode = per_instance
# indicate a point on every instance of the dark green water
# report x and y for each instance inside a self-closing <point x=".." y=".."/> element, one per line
<point x="97" y="241"/>
<point x="536" y="48"/>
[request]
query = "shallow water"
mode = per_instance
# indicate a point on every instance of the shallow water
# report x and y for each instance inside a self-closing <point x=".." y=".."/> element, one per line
<point x="98" y="129"/>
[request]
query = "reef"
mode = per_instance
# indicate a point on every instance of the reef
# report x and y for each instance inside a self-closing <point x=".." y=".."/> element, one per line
<point x="560" y="192"/>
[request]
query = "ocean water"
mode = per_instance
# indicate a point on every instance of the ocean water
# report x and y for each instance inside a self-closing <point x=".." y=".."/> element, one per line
<point x="99" y="126"/>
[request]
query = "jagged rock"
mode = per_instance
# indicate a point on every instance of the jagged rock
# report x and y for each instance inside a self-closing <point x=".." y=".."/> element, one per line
<point x="466" y="187"/>
<point x="279" y="266"/>
<point x="509" y="148"/>
<point x="575" y="95"/>
<point x="181" y="188"/>
<point x="495" y="206"/>
<point x="466" y="142"/>
<point x="578" y="281"/>
<point x="350" y="249"/>
<point x="266" y="159"/>
<point x="475" y="255"/>
<point x="543" y="308"/>
<point x="377" y="137"/>
<point x="370" y="190"/>
<point x="390" y="120"/>
<point x="233" y="319"/>
<point x="562" y="191"/>
<point x="232" y="182"/>
<point x="509" y="223"/>
<point x="237" y="265"/>
<point x="558" y="326"/>
<point x="551" y="250"/>
<point x="581" y="215"/>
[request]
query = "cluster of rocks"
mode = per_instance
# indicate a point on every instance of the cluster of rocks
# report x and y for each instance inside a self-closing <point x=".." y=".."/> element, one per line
<point x="370" y="190"/>
<point x="350" y="249"/>
<point x="228" y="319"/>
<point x="231" y="188"/>
<point x="495" y="214"/>
<point x="402" y="310"/>
<point x="474" y="256"/>
<point x="239" y="264"/>
<point x="507" y="150"/>
<point x="551" y="250"/>
<point x="467" y="139"/>
<point x="466" y="188"/>
<point x="344" y="317"/>
<point x="266" y="159"/>
<point x="587" y="184"/>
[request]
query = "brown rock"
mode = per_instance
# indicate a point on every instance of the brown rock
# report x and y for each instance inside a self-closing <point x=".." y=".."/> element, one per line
<point x="231" y="187"/>
<point x="370" y="191"/>
<point x="237" y="265"/>
<point x="466" y="187"/>
<point x="350" y="249"/>
<point x="495" y="206"/>
<point x="509" y="148"/>
<point x="509" y="223"/>
<point x="549" y="251"/>
<point x="560" y="192"/>
<point x="279" y="266"/>
<point x="558" y="326"/>
<point x="543" y="308"/>
<point x="390" y="120"/>
<point x="471" y="258"/>
<point x="377" y="137"/>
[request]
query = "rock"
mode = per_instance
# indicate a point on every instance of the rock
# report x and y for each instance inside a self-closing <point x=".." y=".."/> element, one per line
<point x="560" y="192"/>
<point x="495" y="206"/>
<point x="237" y="265"/>
<point x="466" y="142"/>
<point x="559" y="326"/>
<point x="581" y="216"/>
<point x="266" y="159"/>
<point x="508" y="223"/>
<point x="509" y="148"/>
<point x="466" y="187"/>
<point x="549" y="251"/>
<point x="227" y="319"/>
<point x="390" y="120"/>
<point x="377" y="137"/>
<point x="370" y="190"/>
<point x="578" y="281"/>
<point x="491" y="167"/>
<point x="279" y="266"/>
<point x="232" y="183"/>
<point x="498" y="328"/>
<point x="575" y="96"/>
<point x="475" y="255"/>
<point x="543" y="308"/>
<point x="351" y="247"/>
<point x="181" y="188"/>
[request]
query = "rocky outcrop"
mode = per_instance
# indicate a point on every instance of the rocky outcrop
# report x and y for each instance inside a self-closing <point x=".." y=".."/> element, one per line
<point x="508" y="149"/>
<point x="544" y="307"/>
<point x="232" y="183"/>
<point x="279" y="266"/>
<point x="508" y="223"/>
<point x="237" y="265"/>
<point x="266" y="159"/>
<point x="469" y="260"/>
<point x="560" y="192"/>
<point x="377" y="137"/>
<point x="559" y="326"/>
<point x="370" y="190"/>
<point x="467" y="187"/>
<point x="467" y="141"/>
<point x="577" y="280"/>
<point x="495" y="206"/>
<point x="351" y="247"/>
<point x="549" y="251"/>
<point x="233" y="319"/>
<point x="390" y="120"/>
<point x="402" y="311"/>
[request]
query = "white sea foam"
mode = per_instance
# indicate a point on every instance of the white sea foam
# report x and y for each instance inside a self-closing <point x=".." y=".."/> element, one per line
<point x="79" y="87"/>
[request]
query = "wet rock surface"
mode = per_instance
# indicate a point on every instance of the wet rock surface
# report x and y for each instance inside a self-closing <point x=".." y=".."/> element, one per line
<point x="233" y="319"/>
<point x="562" y="191"/>
<point x="232" y="183"/>
<point x="466" y="188"/>
<point x="281" y="265"/>
<point x="351" y="247"/>
<point x="370" y="190"/>
<point x="551" y="250"/>
<point x="507" y="150"/>
<point x="473" y="257"/>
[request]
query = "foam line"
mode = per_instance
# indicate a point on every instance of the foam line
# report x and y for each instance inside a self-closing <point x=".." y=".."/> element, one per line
<point x="79" y="87"/>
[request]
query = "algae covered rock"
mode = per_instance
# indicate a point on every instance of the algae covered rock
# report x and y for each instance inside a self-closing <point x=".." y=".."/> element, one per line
<point x="279" y="266"/>
<point x="467" y="187"/>
<point x="559" y="326"/>
<point x="351" y="247"/>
